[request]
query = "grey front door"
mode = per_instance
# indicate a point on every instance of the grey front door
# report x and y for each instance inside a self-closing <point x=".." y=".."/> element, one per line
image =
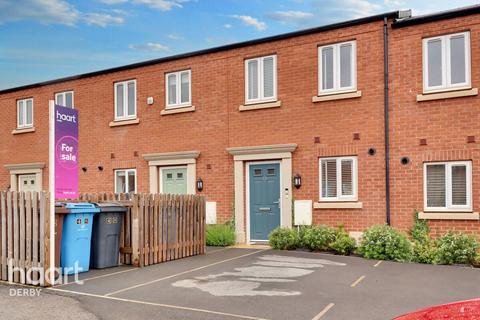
<point x="264" y="199"/>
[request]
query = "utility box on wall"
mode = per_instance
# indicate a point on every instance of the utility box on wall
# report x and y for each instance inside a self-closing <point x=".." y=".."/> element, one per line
<point x="303" y="212"/>
<point x="211" y="212"/>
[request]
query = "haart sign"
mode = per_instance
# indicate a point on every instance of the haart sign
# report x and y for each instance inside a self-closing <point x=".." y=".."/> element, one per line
<point x="66" y="153"/>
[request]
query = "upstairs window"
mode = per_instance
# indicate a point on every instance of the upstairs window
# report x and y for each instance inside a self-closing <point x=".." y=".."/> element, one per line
<point x="64" y="99"/>
<point x="261" y="79"/>
<point x="25" y="113"/>
<point x="446" y="62"/>
<point x="337" y="65"/>
<point x="125" y="100"/>
<point x="178" y="89"/>
<point x="338" y="179"/>
<point x="448" y="186"/>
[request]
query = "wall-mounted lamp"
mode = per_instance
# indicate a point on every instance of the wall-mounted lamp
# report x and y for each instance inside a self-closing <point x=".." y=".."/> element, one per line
<point x="199" y="184"/>
<point x="297" y="181"/>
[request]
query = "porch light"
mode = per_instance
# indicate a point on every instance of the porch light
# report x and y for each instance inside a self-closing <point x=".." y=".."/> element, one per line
<point x="297" y="181"/>
<point x="199" y="184"/>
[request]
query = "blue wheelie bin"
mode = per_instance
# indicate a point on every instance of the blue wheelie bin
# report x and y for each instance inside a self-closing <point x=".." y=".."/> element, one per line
<point x="76" y="237"/>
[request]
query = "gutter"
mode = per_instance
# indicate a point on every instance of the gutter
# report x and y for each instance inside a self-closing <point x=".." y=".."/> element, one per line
<point x="386" y="119"/>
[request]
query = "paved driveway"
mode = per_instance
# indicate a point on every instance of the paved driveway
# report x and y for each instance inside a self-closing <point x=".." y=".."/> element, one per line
<point x="267" y="284"/>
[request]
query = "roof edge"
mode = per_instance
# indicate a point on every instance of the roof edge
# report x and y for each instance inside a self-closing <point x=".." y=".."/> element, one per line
<point x="337" y="25"/>
<point x="448" y="14"/>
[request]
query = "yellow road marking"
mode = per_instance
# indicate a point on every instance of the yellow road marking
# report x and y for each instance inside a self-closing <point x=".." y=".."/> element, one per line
<point x="357" y="281"/>
<point x="324" y="311"/>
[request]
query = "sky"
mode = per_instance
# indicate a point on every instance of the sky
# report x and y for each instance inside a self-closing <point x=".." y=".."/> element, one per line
<point x="47" y="39"/>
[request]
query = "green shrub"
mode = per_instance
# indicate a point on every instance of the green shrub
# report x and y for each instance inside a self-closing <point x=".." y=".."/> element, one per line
<point x="424" y="251"/>
<point x="283" y="239"/>
<point x="220" y="235"/>
<point x="318" y="238"/>
<point x="385" y="243"/>
<point x="343" y="243"/>
<point x="301" y="236"/>
<point x="456" y="248"/>
<point x="420" y="230"/>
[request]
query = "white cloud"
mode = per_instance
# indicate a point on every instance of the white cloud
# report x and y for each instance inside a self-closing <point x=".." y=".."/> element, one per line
<point x="227" y="26"/>
<point x="149" y="46"/>
<point x="43" y="11"/>
<point x="53" y="12"/>
<point x="163" y="5"/>
<point x="292" y="17"/>
<point x="113" y="1"/>
<point x="101" y="19"/>
<point x="251" y="21"/>
<point x="173" y="36"/>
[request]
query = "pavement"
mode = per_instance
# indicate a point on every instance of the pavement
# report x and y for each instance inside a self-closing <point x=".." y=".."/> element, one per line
<point x="241" y="283"/>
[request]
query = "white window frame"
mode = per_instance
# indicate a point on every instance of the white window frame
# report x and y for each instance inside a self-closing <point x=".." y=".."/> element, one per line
<point x="260" y="78"/>
<point x="448" y="190"/>
<point x="25" y="124"/>
<point x="126" y="180"/>
<point x="336" y="69"/>
<point x="339" y="196"/>
<point x="125" y="100"/>
<point x="446" y="67"/>
<point x="64" y="93"/>
<point x="178" y="83"/>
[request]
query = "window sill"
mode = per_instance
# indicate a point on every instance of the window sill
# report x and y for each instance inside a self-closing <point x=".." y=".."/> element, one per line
<point x="447" y="95"/>
<point x="23" y="130"/>
<point x="166" y="111"/>
<point x="449" y="215"/>
<point x="260" y="105"/>
<point x="338" y="205"/>
<point x="117" y="123"/>
<point x="337" y="96"/>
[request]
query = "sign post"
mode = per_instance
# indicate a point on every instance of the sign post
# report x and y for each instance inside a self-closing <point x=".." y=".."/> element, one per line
<point x="63" y="164"/>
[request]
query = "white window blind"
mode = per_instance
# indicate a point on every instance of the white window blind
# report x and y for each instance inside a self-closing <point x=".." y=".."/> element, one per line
<point x="338" y="179"/>
<point x="125" y="100"/>
<point x="25" y="113"/>
<point x="448" y="186"/>
<point x="446" y="62"/>
<point x="337" y="67"/>
<point x="178" y="88"/>
<point x="261" y="79"/>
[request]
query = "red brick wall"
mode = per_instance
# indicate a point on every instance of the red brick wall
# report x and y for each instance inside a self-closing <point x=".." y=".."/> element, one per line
<point x="445" y="124"/>
<point x="217" y="93"/>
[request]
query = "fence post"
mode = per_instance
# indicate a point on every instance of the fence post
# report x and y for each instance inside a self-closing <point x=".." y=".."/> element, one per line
<point x="135" y="260"/>
<point x="46" y="241"/>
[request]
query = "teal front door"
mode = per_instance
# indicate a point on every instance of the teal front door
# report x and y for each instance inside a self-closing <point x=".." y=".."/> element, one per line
<point x="174" y="180"/>
<point x="264" y="199"/>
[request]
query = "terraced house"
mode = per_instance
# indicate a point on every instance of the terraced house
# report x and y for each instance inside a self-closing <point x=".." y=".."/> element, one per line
<point x="360" y="122"/>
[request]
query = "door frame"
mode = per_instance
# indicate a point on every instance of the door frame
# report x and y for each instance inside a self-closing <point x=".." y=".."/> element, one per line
<point x="247" y="194"/>
<point x="160" y="187"/>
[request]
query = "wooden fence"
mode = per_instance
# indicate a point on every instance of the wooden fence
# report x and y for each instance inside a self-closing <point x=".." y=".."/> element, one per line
<point x="25" y="236"/>
<point x="158" y="227"/>
<point x="155" y="228"/>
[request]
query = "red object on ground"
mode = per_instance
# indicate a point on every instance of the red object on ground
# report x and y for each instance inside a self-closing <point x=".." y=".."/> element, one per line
<point x="462" y="310"/>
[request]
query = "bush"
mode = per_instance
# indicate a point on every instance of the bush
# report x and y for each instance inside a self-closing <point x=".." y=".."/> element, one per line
<point x="343" y="243"/>
<point x="456" y="248"/>
<point x="318" y="238"/>
<point x="424" y="251"/>
<point x="283" y="239"/>
<point x="385" y="243"/>
<point x="221" y="235"/>
<point x="420" y="230"/>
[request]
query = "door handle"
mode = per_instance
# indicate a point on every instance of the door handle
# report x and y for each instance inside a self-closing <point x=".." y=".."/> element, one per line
<point x="264" y="209"/>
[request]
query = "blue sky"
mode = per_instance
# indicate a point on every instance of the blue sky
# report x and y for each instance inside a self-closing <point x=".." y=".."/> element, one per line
<point x="48" y="39"/>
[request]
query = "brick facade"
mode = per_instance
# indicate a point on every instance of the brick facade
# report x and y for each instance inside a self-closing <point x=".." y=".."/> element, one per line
<point x="331" y="128"/>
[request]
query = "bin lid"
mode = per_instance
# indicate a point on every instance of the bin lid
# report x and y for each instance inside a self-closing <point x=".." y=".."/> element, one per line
<point x="81" y="207"/>
<point x="60" y="208"/>
<point x="111" y="207"/>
